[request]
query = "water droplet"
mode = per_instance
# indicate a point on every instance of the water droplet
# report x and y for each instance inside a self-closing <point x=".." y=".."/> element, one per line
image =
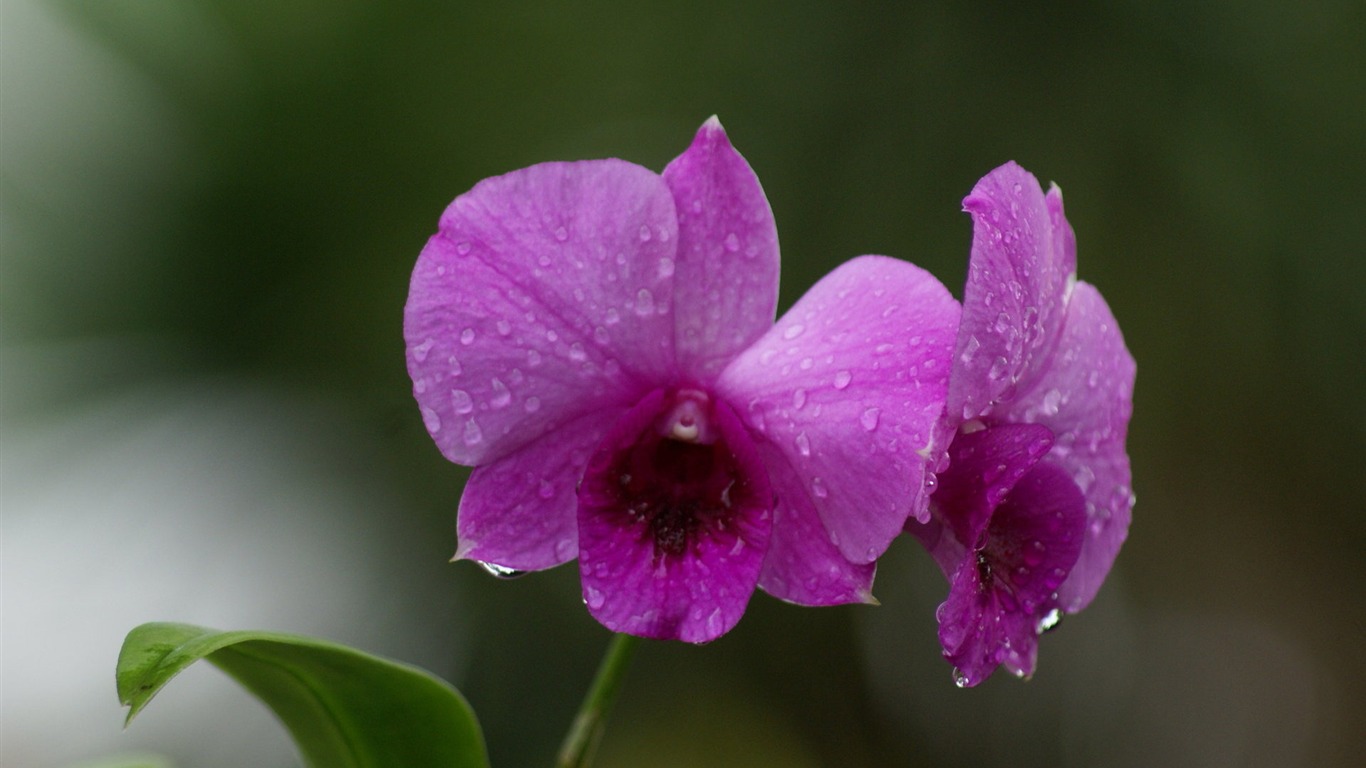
<point x="431" y="420"/>
<point x="793" y="331"/>
<point x="889" y="311"/>
<point x="970" y="349"/>
<point x="600" y="335"/>
<point x="803" y="444"/>
<point x="532" y="404"/>
<point x="960" y="679"/>
<point x="1049" y="621"/>
<point x="767" y="356"/>
<point x="462" y="248"/>
<point x="461" y="401"/>
<point x="544" y="260"/>
<point x="806" y="363"/>
<point x="454" y="365"/>
<point x="504" y="327"/>
<point x="818" y="488"/>
<point x="467" y="336"/>
<point x="546" y="491"/>
<point x="501" y="395"/>
<point x="552" y="336"/>
<point x="645" y="302"/>
<point x="842" y="379"/>
<point x="473" y="435"/>
<point x="732" y="243"/>
<point x="645" y="233"/>
<point x="799" y="399"/>
<point x="419" y="386"/>
<point x="1051" y="400"/>
<point x="564" y="549"/>
<point x="997" y="370"/>
<point x="869" y="418"/>
<point x="696" y="206"/>
<point x="611" y="316"/>
<point x="500" y="571"/>
<point x="1092" y="379"/>
<point x="421" y="351"/>
<point x="561" y="234"/>
<point x="533" y="358"/>
<point x="666" y="265"/>
<point x="576" y="352"/>
<point x="593" y="598"/>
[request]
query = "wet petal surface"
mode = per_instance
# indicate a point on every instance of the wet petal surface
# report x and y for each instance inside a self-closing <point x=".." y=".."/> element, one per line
<point x="848" y="386"/>
<point x="726" y="291"/>
<point x="544" y="295"/>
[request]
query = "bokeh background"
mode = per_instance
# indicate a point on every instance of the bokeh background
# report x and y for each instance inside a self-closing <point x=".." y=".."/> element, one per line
<point x="208" y="215"/>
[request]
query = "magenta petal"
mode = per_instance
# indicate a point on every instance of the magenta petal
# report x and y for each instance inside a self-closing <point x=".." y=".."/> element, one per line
<point x="984" y="465"/>
<point x="802" y="566"/>
<point x="519" y="511"/>
<point x="546" y="294"/>
<point x="1013" y="300"/>
<point x="849" y="386"/>
<point x="726" y="289"/>
<point x="1086" y="398"/>
<point x="1003" y="590"/>
<point x="672" y="534"/>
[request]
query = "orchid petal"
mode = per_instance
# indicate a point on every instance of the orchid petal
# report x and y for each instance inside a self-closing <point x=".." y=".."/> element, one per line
<point x="546" y="294"/>
<point x="802" y="566"/>
<point x="984" y="465"/>
<point x="518" y="513"/>
<point x="849" y="386"/>
<point x="1016" y="287"/>
<point x="1001" y="592"/>
<point x="689" y="582"/>
<point x="1086" y="398"/>
<point x="726" y="287"/>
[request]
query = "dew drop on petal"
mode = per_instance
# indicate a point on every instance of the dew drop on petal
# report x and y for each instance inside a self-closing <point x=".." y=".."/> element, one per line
<point x="793" y="331"/>
<point x="462" y="248"/>
<point x="645" y="234"/>
<point x="576" y="352"/>
<point x="960" y="679"/>
<point x="546" y="490"/>
<point x="1049" y="621"/>
<point x="600" y="335"/>
<point x="431" y="420"/>
<point x="818" y="488"/>
<point x="533" y="358"/>
<point x="461" y="401"/>
<point x="645" y="302"/>
<point x="467" y="336"/>
<point x="593" y="598"/>
<point x="799" y="399"/>
<point x="561" y="234"/>
<point x="732" y="242"/>
<point x="532" y="404"/>
<point x="869" y="418"/>
<point x="504" y="327"/>
<point x="842" y="379"/>
<point x="421" y="351"/>
<point x="666" y="265"/>
<point x="997" y="370"/>
<point x="500" y="571"/>
<point x="473" y="434"/>
<point x="501" y="395"/>
<point x="970" y="349"/>
<point x="611" y="316"/>
<point x="564" y="549"/>
<point x="803" y="444"/>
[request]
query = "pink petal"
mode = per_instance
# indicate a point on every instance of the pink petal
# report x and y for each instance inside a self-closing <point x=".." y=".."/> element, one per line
<point x="1002" y="591"/>
<point x="1013" y="301"/>
<point x="519" y="511"/>
<point x="984" y="465"/>
<point x="849" y="386"/>
<point x="546" y="294"/>
<point x="727" y="266"/>
<point x="802" y="566"/>
<point x="690" y="583"/>
<point x="1086" y="398"/>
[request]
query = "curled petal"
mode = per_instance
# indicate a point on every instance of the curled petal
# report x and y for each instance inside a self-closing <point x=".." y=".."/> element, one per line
<point x="546" y="294"/>
<point x="519" y="511"/>
<point x="1086" y="398"/>
<point x="802" y="566"/>
<point x="672" y="534"/>
<point x="1015" y="292"/>
<point x="726" y="290"/>
<point x="848" y="386"/>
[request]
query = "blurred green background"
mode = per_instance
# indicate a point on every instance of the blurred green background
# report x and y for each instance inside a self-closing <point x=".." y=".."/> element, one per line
<point x="208" y="216"/>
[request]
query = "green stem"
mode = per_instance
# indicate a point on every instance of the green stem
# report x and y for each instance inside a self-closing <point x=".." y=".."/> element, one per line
<point x="584" y="734"/>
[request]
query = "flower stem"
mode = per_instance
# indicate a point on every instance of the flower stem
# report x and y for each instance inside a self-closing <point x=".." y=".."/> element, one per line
<point x="582" y="739"/>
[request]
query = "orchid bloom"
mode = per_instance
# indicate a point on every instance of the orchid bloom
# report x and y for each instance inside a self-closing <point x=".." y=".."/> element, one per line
<point x="1034" y="505"/>
<point x="598" y="342"/>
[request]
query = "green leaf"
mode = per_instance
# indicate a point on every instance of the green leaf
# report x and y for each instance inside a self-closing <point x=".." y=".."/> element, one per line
<point x="344" y="708"/>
